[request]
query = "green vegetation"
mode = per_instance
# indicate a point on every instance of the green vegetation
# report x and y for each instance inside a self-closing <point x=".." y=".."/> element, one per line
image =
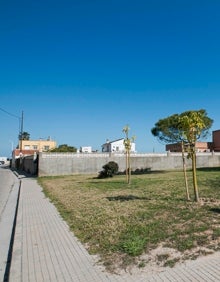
<point x="109" y="169"/>
<point x="121" y="222"/>
<point x="24" y="136"/>
<point x="64" y="148"/>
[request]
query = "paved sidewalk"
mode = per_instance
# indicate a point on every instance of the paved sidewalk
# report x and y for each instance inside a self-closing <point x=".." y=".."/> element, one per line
<point x="45" y="250"/>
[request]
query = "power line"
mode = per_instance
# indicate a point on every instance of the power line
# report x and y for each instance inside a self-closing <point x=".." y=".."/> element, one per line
<point x="20" y="120"/>
<point x="9" y="113"/>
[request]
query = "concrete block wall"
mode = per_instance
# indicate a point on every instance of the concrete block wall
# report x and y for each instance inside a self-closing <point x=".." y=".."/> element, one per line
<point x="29" y="164"/>
<point x="51" y="164"/>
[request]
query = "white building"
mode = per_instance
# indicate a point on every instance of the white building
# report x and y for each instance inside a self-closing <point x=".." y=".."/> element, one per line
<point x="116" y="146"/>
<point x="87" y="149"/>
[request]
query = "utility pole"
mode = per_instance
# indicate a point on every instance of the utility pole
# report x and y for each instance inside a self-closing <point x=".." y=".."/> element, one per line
<point x="21" y="132"/>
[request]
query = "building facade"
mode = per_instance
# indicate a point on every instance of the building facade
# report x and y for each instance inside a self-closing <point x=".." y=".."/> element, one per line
<point x="216" y="140"/>
<point x="30" y="148"/>
<point x="85" y="149"/>
<point x="37" y="145"/>
<point x="200" y="146"/>
<point x="116" y="146"/>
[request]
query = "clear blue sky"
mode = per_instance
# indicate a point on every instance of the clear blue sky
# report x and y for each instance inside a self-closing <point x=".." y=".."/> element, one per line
<point x="82" y="70"/>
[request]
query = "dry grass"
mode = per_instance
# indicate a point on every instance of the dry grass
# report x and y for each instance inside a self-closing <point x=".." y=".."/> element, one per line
<point x="125" y="223"/>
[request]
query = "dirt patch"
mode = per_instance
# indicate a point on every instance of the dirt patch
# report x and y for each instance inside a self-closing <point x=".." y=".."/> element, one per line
<point x="158" y="259"/>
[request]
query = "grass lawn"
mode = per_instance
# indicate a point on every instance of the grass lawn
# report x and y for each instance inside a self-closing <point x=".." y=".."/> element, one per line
<point x="123" y="223"/>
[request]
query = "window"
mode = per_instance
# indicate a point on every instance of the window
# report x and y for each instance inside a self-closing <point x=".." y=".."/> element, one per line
<point x="46" y="148"/>
<point x="27" y="147"/>
<point x="34" y="147"/>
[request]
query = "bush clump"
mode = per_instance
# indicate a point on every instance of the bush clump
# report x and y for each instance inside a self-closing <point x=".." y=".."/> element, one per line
<point x="109" y="169"/>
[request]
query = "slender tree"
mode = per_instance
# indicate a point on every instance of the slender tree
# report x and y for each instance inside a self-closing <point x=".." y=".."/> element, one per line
<point x="184" y="128"/>
<point x="184" y="170"/>
<point x="24" y="136"/>
<point x="194" y="124"/>
<point x="167" y="131"/>
<point x="128" y="143"/>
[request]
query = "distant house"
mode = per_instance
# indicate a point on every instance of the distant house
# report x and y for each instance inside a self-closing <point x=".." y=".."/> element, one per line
<point x="31" y="148"/>
<point x="116" y="146"/>
<point x="37" y="145"/>
<point x="200" y="146"/>
<point x="86" y="149"/>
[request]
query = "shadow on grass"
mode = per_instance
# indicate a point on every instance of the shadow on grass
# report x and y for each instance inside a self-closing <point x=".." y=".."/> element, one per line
<point x="143" y="171"/>
<point x="215" y="210"/>
<point x="208" y="169"/>
<point x="100" y="182"/>
<point x="213" y="183"/>
<point x="123" y="198"/>
<point x="134" y="172"/>
<point x="214" y="180"/>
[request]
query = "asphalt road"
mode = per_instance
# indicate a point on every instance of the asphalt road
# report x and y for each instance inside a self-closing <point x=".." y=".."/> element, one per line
<point x="7" y="181"/>
<point x="9" y="190"/>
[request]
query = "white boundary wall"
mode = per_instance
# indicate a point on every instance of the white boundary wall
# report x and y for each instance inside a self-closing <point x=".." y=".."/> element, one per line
<point x="78" y="163"/>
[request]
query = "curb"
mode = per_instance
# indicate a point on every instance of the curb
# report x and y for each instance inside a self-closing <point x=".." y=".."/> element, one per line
<point x="9" y="259"/>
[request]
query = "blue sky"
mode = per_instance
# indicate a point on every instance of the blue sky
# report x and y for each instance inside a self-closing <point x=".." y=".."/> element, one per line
<point x="82" y="70"/>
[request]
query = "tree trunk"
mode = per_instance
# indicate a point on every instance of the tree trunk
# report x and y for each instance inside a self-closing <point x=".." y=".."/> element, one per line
<point x="184" y="171"/>
<point x="129" y="168"/>
<point x="195" y="186"/>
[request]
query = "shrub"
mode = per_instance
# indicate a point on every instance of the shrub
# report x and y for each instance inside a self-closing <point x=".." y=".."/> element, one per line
<point x="109" y="169"/>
